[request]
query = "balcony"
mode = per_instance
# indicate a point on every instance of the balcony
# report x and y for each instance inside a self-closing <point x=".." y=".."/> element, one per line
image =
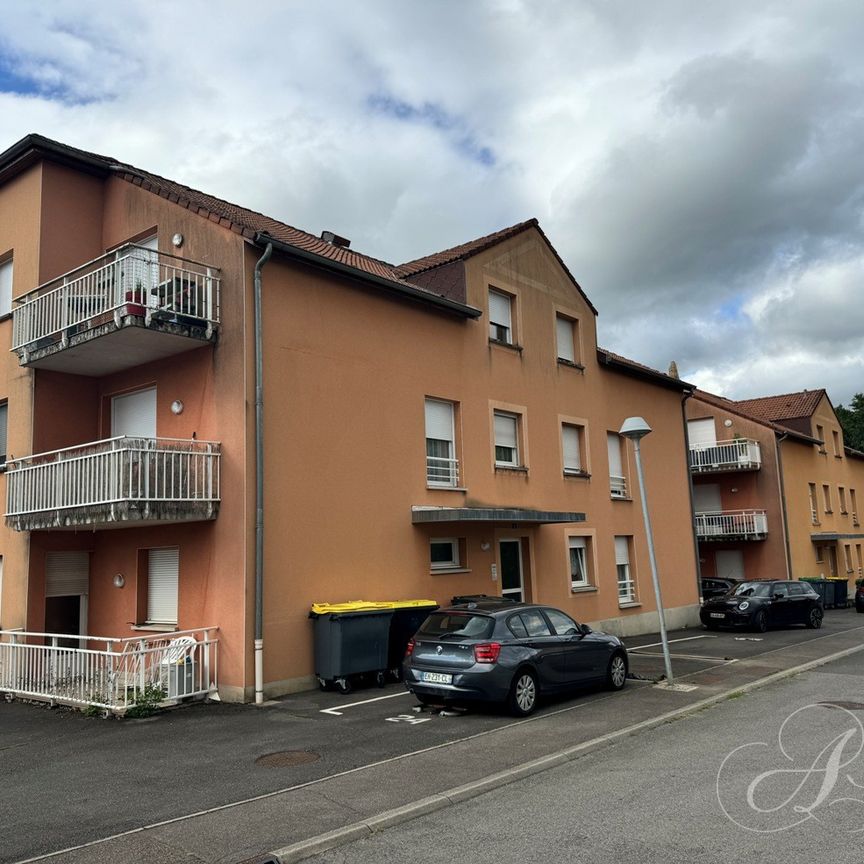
<point x="109" y="674"/>
<point x="740" y="454"/>
<point x="113" y="484"/>
<point x="732" y="525"/>
<point x="130" y="307"/>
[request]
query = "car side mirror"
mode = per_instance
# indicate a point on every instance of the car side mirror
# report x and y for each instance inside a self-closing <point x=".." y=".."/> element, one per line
<point x="779" y="596"/>
<point x="584" y="629"/>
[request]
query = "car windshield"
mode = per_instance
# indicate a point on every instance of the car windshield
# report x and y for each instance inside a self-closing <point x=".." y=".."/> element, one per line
<point x="443" y="625"/>
<point x="751" y="589"/>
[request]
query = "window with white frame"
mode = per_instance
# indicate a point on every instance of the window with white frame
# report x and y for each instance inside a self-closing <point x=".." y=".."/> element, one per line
<point x="811" y="493"/>
<point x="841" y="491"/>
<point x="571" y="441"/>
<point x="6" y="287"/>
<point x="443" y="553"/>
<point x="163" y="577"/>
<point x="847" y="553"/>
<point x="442" y="469"/>
<point x="506" y="439"/>
<point x="617" y="480"/>
<point x="500" y="317"/>
<point x="578" y="547"/>
<point x="838" y="449"/>
<point x="626" y="585"/>
<point x="565" y="337"/>
<point x="826" y="494"/>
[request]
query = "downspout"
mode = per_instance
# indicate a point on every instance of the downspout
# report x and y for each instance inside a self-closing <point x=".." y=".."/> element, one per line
<point x="781" y="438"/>
<point x="687" y="395"/>
<point x="259" y="482"/>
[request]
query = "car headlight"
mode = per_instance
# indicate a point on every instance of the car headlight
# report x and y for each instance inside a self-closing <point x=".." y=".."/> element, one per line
<point x="745" y="604"/>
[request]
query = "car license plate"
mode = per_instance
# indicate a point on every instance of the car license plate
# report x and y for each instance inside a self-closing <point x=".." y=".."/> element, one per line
<point x="436" y="677"/>
<point x="718" y="614"/>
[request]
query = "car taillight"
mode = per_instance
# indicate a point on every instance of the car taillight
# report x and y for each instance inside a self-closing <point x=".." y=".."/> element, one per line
<point x="409" y="648"/>
<point x="487" y="653"/>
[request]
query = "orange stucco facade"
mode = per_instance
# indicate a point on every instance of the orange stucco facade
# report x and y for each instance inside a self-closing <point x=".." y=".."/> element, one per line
<point x="348" y="368"/>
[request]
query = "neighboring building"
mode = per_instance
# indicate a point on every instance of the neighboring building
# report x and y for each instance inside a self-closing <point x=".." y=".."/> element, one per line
<point x="443" y="427"/>
<point x="775" y="490"/>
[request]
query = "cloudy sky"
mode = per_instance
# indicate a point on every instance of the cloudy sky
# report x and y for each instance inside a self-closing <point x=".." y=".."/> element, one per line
<point x="699" y="166"/>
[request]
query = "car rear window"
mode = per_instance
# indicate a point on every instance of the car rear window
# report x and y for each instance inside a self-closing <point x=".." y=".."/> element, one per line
<point x="465" y="624"/>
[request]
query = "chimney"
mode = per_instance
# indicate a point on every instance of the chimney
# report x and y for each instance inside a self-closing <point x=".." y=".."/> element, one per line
<point x="673" y="370"/>
<point x="335" y="240"/>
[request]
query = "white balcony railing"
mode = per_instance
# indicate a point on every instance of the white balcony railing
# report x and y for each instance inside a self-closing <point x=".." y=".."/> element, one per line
<point x="618" y="486"/>
<point x="130" y="281"/>
<point x="740" y="454"/>
<point x="626" y="591"/>
<point x="111" y="674"/>
<point x="441" y="471"/>
<point x="114" y="480"/>
<point x="732" y="524"/>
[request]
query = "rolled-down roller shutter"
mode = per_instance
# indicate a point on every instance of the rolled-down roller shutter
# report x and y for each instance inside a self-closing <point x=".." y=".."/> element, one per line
<point x="162" y="579"/>
<point x="67" y="573"/>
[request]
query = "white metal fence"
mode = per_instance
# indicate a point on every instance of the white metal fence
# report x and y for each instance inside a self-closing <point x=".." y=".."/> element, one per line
<point x="130" y="281"/>
<point x="736" y="454"/>
<point x="441" y="471"/>
<point x="732" y="523"/>
<point x="114" y="471"/>
<point x="618" y="486"/>
<point x="111" y="674"/>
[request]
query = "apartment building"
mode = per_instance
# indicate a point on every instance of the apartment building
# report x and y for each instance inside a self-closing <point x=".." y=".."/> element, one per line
<point x="775" y="488"/>
<point x="445" y="426"/>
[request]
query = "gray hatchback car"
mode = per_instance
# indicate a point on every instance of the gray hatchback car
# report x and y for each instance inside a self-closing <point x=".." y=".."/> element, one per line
<point x="508" y="653"/>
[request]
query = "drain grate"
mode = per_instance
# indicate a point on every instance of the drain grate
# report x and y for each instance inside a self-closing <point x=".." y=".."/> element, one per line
<point x="287" y="758"/>
<point x="849" y="706"/>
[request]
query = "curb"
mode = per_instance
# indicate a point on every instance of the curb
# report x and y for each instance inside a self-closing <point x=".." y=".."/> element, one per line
<point x="365" y="828"/>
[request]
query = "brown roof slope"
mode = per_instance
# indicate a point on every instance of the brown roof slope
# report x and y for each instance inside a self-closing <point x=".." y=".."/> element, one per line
<point x="628" y="366"/>
<point x="787" y="406"/>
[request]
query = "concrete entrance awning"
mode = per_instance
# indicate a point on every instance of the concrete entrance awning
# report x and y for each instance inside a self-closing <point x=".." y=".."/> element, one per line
<point x="423" y="515"/>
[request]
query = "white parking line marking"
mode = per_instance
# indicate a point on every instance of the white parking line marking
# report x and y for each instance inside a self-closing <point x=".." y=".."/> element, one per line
<point x="670" y="641"/>
<point x="337" y="712"/>
<point x="684" y="656"/>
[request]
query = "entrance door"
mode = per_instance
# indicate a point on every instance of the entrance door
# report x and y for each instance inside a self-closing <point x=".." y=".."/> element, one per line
<point x="134" y="414"/>
<point x="510" y="555"/>
<point x="67" y="580"/>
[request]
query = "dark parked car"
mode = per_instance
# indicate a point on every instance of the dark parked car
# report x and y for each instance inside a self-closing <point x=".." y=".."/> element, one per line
<point x="859" y="598"/>
<point x="760" y="604"/>
<point x="715" y="586"/>
<point x="508" y="653"/>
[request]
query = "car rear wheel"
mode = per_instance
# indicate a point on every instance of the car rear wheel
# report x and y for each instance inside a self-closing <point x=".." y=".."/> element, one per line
<point x="616" y="672"/>
<point x="760" y="621"/>
<point x="523" y="693"/>
<point x="712" y="625"/>
<point x="814" y="619"/>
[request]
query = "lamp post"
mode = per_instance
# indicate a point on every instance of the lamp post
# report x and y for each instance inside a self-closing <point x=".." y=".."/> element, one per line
<point x="635" y="428"/>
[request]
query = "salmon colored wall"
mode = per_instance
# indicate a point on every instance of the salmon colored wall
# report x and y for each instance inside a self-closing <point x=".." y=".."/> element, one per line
<point x="346" y="373"/>
<point x="743" y="490"/>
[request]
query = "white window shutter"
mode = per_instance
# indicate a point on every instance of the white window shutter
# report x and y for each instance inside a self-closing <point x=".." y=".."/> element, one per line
<point x="701" y="432"/>
<point x="613" y="443"/>
<point x="439" y="420"/>
<point x="564" y="332"/>
<point x="134" y="414"/>
<point x="5" y="288"/>
<point x="505" y="431"/>
<point x="572" y="459"/>
<point x="4" y="422"/>
<point x="67" y="574"/>
<point x="162" y="580"/>
<point x="622" y="552"/>
<point x="499" y="308"/>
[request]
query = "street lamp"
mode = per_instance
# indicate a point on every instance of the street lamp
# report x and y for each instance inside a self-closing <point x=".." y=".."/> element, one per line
<point x="635" y="428"/>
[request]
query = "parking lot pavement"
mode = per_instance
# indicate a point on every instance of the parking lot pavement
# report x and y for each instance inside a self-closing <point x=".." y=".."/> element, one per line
<point x="251" y="778"/>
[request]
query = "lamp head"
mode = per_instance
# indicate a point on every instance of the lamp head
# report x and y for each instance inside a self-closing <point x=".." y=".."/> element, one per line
<point x="634" y="428"/>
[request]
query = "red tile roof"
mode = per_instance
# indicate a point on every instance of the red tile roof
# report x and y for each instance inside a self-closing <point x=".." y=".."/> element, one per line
<point x="785" y="407"/>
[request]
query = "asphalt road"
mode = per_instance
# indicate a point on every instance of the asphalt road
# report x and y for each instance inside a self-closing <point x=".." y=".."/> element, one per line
<point x="677" y="793"/>
<point x="68" y="780"/>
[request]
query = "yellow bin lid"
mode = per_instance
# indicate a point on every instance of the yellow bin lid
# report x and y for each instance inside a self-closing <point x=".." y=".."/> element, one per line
<point x="368" y="606"/>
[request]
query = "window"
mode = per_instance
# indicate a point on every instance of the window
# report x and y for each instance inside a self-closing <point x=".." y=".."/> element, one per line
<point x="838" y="450"/>
<point x="535" y="623"/>
<point x="814" y="514"/>
<point x="626" y="585"/>
<point x="442" y="469"/>
<point x="563" y="624"/>
<point x="565" y="337"/>
<point x="847" y="553"/>
<point x="841" y="491"/>
<point x="578" y="549"/>
<point x="858" y="559"/>
<point x="826" y="494"/>
<point x="4" y="425"/>
<point x="617" y="480"/>
<point x="820" y="555"/>
<point x="500" y="317"/>
<point x="854" y="505"/>
<point x="163" y="570"/>
<point x="506" y="439"/>
<point x="444" y="553"/>
<point x="820" y="434"/>
<point x="796" y="589"/>
<point x="571" y="440"/>
<point x="6" y="287"/>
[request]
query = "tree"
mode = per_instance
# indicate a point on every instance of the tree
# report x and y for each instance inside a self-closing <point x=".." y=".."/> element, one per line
<point x="852" y="421"/>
